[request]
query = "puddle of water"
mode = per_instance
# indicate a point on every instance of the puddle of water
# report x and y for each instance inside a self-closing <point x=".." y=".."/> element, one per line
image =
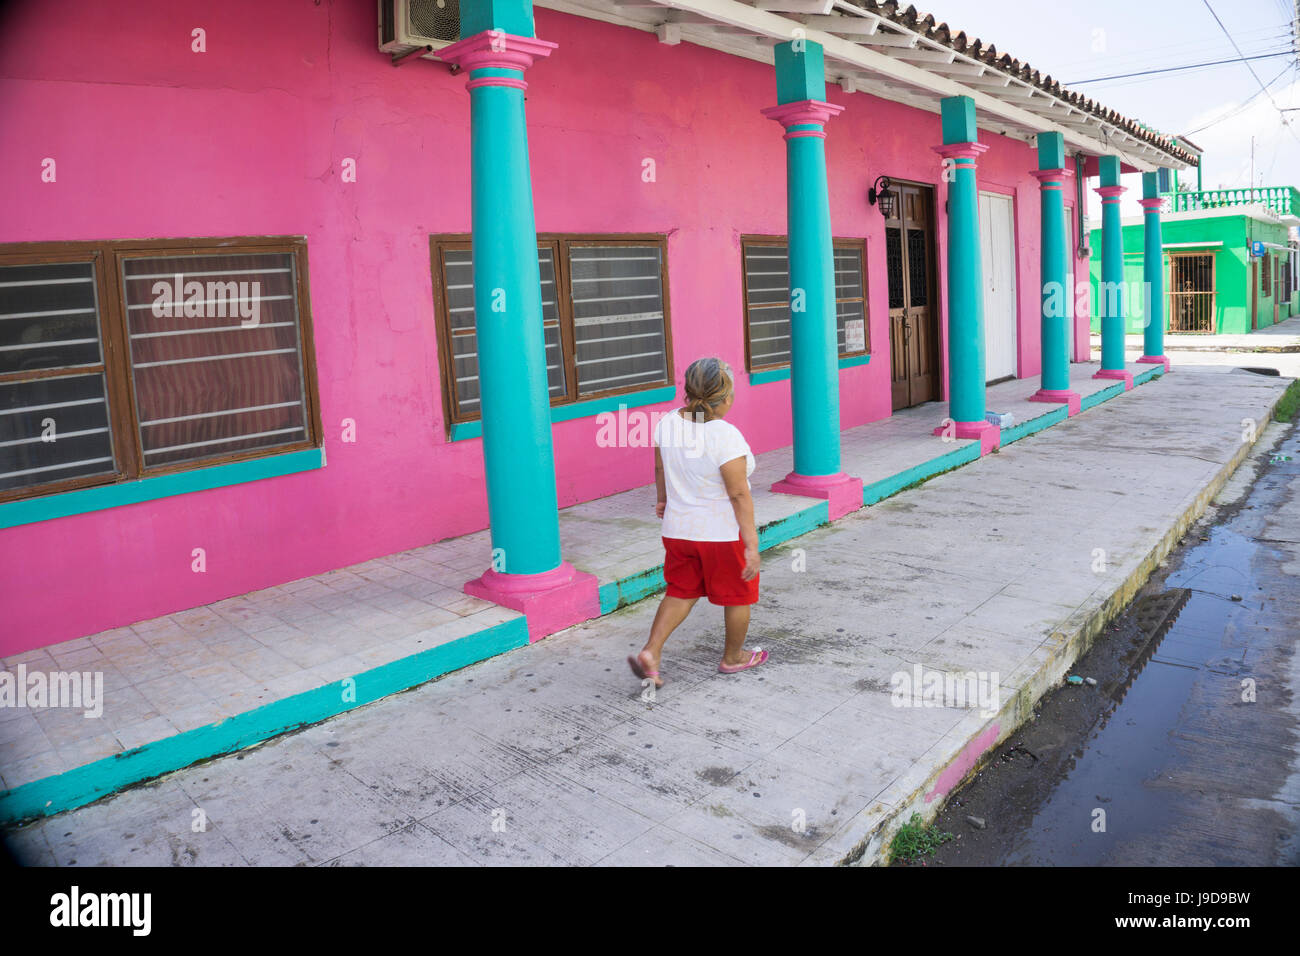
<point x="1111" y="773"/>
<point x="1180" y="769"/>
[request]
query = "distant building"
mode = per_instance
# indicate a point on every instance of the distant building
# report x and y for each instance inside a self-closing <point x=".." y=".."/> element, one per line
<point x="1230" y="261"/>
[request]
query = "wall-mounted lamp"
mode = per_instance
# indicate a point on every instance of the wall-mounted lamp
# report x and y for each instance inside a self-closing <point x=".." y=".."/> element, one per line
<point x="881" y="194"/>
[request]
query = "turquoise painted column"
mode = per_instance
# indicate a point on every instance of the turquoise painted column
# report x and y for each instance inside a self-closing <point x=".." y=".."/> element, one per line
<point x="814" y="353"/>
<point x="527" y="571"/>
<point x="1153" y="274"/>
<point x="965" y="278"/>
<point x="1057" y="298"/>
<point x="1110" y="290"/>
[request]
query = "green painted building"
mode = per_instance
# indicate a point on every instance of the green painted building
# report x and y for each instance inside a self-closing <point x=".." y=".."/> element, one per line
<point x="1213" y="282"/>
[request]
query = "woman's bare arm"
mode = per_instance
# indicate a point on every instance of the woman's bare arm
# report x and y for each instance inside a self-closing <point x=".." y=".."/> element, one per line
<point x="736" y="480"/>
<point x="660" y="488"/>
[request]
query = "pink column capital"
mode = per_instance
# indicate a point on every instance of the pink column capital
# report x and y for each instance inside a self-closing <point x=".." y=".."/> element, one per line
<point x="1151" y="204"/>
<point x="498" y="50"/>
<point x="1111" y="194"/>
<point x="1051" y="178"/>
<point x="960" y="150"/>
<point x="803" y="112"/>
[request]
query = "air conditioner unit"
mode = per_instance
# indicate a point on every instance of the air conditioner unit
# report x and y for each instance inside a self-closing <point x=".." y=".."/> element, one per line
<point x="408" y="25"/>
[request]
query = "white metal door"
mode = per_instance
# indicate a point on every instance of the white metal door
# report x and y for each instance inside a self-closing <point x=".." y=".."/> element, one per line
<point x="998" y="245"/>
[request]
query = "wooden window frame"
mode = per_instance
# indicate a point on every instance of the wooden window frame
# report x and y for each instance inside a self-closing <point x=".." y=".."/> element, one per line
<point x="560" y="244"/>
<point x="109" y="257"/>
<point x="1266" y="275"/>
<point x="767" y="241"/>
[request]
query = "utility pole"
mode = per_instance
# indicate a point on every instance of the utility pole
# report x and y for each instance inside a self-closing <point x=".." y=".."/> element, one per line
<point x="1250" y="219"/>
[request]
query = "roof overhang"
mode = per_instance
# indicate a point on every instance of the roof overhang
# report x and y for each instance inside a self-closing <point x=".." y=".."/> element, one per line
<point x="875" y="48"/>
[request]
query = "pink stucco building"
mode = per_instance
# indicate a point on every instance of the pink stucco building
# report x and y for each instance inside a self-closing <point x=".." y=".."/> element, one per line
<point x="278" y="145"/>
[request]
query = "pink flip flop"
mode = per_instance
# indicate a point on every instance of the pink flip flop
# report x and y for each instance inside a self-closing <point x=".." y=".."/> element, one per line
<point x="641" y="672"/>
<point x="756" y="658"/>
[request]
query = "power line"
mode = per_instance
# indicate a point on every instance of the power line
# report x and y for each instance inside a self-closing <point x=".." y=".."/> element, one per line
<point x="1248" y="66"/>
<point x="1190" y="66"/>
<point x="1173" y="53"/>
<point x="1244" y="104"/>
<point x="1202" y="46"/>
<point x="1282" y="41"/>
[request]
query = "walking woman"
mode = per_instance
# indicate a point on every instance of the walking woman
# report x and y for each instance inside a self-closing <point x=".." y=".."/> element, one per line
<point x="702" y="468"/>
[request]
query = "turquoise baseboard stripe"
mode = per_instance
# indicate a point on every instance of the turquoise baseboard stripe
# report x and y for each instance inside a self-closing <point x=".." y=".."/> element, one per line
<point x="86" y="784"/>
<point x="1106" y="394"/>
<point x="565" y="413"/>
<point x="769" y="375"/>
<point x="887" y="487"/>
<point x="631" y="589"/>
<point x="1155" y="371"/>
<point x="1026" y="428"/>
<point x="608" y="597"/>
<point x="791" y="526"/>
<point x="101" y="497"/>
<point x="763" y="376"/>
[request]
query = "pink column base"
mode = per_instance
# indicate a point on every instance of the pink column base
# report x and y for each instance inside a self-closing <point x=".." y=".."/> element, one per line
<point x="1058" y="396"/>
<point x="550" y="601"/>
<point x="1155" y="360"/>
<point x="990" y="435"/>
<point x="1118" y="375"/>
<point x="842" y="492"/>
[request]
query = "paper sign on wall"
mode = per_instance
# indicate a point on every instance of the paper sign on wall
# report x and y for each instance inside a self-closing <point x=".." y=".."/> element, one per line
<point x="855" y="335"/>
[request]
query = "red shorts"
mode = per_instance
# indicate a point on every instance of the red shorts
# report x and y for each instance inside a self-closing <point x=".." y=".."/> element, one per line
<point x="695" y="569"/>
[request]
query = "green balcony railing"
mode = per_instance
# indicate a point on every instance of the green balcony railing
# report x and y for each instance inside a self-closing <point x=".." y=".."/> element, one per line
<point x="1281" y="200"/>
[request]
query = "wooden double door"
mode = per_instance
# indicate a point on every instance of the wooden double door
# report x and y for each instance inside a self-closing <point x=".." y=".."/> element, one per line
<point x="915" y="368"/>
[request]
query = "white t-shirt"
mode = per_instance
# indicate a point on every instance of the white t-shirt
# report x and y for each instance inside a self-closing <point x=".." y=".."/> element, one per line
<point x="693" y="452"/>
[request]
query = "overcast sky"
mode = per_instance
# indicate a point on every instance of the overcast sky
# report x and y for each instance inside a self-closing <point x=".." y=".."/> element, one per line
<point x="1108" y="37"/>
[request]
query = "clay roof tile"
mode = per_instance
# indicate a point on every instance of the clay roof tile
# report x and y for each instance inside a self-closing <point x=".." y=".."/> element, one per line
<point x="977" y="49"/>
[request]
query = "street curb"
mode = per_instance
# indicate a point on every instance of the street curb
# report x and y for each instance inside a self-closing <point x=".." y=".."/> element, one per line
<point x="972" y="743"/>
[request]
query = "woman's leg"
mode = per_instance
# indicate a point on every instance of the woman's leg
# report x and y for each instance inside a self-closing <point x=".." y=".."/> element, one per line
<point x="672" y="611"/>
<point x="737" y="619"/>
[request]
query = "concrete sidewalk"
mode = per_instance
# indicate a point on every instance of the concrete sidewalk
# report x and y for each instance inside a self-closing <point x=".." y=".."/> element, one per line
<point x="208" y="681"/>
<point x="1283" y="337"/>
<point x="550" y="755"/>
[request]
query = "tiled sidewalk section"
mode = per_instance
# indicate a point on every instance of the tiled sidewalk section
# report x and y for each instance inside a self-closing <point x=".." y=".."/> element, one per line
<point x="247" y="668"/>
<point x="805" y="761"/>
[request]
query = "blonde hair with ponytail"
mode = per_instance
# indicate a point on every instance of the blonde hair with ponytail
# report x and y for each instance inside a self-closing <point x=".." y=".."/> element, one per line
<point x="708" y="386"/>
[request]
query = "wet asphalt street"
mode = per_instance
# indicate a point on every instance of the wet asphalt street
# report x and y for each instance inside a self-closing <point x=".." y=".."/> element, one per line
<point x="1186" y="751"/>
